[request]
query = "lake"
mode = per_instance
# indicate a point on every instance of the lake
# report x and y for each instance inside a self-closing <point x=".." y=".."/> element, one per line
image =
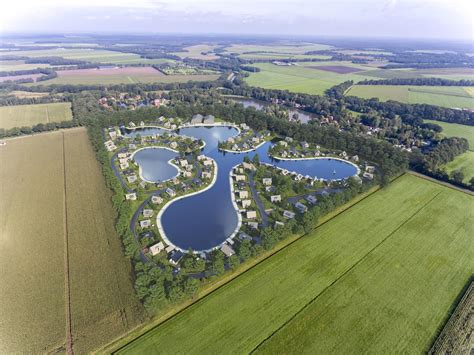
<point x="303" y="116"/>
<point x="205" y="220"/>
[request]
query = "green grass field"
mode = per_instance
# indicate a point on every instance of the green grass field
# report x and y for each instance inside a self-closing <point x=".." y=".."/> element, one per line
<point x="91" y="55"/>
<point x="447" y="96"/>
<point x="456" y="130"/>
<point x="277" y="48"/>
<point x="463" y="162"/>
<point x="378" y="278"/>
<point x="196" y="51"/>
<point x="12" y="65"/>
<point x="35" y="181"/>
<point x="306" y="78"/>
<point x="303" y="77"/>
<point x="30" y="115"/>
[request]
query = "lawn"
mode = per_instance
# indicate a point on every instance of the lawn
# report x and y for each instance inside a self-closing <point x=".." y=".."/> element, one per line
<point x="378" y="278"/>
<point x="30" y="115"/>
<point x="91" y="55"/>
<point x="463" y="162"/>
<point x="35" y="180"/>
<point x="456" y="130"/>
<point x="446" y="96"/>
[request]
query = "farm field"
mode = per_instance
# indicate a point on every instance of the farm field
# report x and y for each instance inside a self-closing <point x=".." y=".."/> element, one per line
<point x="304" y="77"/>
<point x="91" y="55"/>
<point x="446" y="96"/>
<point x="28" y="95"/>
<point x="463" y="162"/>
<point x="307" y="78"/>
<point x="456" y="130"/>
<point x="195" y="52"/>
<point x="276" y="56"/>
<point x="19" y="77"/>
<point x="393" y="264"/>
<point x="127" y="75"/>
<point x="32" y="299"/>
<point x="30" y="115"/>
<point x="12" y="65"/>
<point x="277" y="49"/>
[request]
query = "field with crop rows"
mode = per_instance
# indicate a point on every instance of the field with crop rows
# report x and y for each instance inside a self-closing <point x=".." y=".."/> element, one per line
<point x="32" y="257"/>
<point x="447" y="96"/>
<point x="127" y="75"/>
<point x="30" y="115"/>
<point x="383" y="273"/>
<point x="91" y="55"/>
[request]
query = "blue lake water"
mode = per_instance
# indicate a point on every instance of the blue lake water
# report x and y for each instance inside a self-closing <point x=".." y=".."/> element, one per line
<point x="205" y="220"/>
<point x="154" y="164"/>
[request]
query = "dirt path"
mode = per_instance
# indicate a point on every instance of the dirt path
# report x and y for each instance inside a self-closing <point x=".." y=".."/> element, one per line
<point x="69" y="349"/>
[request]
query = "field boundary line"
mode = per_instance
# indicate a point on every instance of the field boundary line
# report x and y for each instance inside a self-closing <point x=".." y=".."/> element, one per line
<point x="171" y="316"/>
<point x="69" y="342"/>
<point x="364" y="257"/>
<point x="442" y="183"/>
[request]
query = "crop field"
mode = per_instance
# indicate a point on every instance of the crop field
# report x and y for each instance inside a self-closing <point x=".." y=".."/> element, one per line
<point x="447" y="96"/>
<point x="41" y="185"/>
<point x="456" y="130"/>
<point x="276" y="49"/>
<point x="384" y="273"/>
<point x="30" y="115"/>
<point x="19" y="77"/>
<point x="28" y="95"/>
<point x="91" y="55"/>
<point x="12" y="65"/>
<point x="195" y="52"/>
<point x="277" y="56"/>
<point x="127" y="75"/>
<point x="463" y="162"/>
<point x="304" y="77"/>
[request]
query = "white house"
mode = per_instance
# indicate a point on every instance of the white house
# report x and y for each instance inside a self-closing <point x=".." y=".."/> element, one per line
<point x="173" y="145"/>
<point x="147" y="213"/>
<point x="145" y="223"/>
<point x="267" y="181"/>
<point x="156" y="200"/>
<point x="246" y="203"/>
<point x="227" y="250"/>
<point x="240" y="177"/>
<point x="251" y="214"/>
<point x="275" y="198"/>
<point x="157" y="248"/>
<point x="131" y="178"/>
<point x="243" y="194"/>
<point x="131" y="196"/>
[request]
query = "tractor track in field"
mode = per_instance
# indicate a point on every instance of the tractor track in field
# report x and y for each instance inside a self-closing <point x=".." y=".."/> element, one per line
<point x="69" y="340"/>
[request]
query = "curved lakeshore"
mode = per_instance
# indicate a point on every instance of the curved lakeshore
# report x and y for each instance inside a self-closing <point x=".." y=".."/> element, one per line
<point x="170" y="162"/>
<point x="203" y="220"/>
<point x="163" y="209"/>
<point x="315" y="158"/>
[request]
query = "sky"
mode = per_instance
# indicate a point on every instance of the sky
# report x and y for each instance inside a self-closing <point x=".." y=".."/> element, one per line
<point x="436" y="19"/>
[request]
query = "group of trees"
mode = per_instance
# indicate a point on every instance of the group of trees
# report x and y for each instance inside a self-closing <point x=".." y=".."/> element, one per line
<point x="418" y="82"/>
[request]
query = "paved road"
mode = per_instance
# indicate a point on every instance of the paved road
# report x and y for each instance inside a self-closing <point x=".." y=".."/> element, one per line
<point x="258" y="201"/>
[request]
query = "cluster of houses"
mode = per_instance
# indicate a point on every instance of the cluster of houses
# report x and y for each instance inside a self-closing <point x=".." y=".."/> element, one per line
<point x="369" y="172"/>
<point x="168" y="123"/>
<point x="130" y="101"/>
<point x="246" y="140"/>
